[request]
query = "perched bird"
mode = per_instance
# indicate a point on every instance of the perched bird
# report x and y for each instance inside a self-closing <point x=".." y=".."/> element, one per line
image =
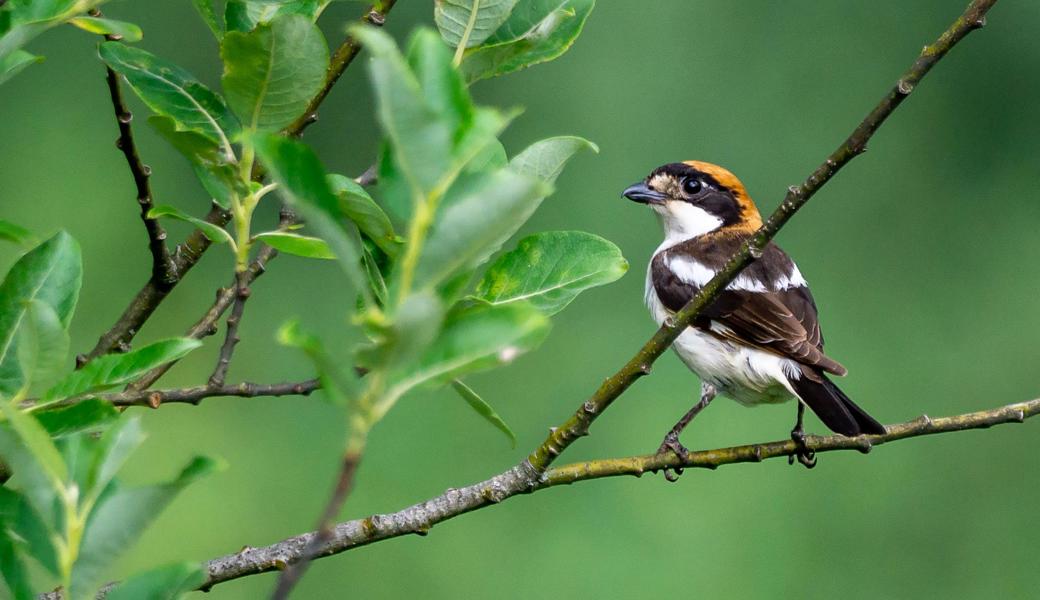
<point x="759" y="342"/>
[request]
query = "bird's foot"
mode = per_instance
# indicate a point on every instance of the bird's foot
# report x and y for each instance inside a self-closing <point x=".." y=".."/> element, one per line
<point x="671" y="444"/>
<point x="804" y="455"/>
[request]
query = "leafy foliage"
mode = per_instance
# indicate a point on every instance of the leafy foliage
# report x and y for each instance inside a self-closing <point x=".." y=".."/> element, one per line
<point x="448" y="199"/>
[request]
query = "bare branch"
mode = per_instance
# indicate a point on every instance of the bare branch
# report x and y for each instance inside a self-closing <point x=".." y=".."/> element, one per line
<point x="162" y="264"/>
<point x="241" y="293"/>
<point x="420" y="518"/>
<point x="194" y="395"/>
<point x="207" y="325"/>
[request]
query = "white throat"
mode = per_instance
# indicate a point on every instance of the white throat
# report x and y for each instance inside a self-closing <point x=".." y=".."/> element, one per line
<point x="682" y="221"/>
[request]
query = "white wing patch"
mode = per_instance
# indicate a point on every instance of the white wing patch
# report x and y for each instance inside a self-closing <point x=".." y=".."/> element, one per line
<point x="696" y="273"/>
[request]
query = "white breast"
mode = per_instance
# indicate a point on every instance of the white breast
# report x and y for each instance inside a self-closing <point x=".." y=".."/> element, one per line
<point x="744" y="373"/>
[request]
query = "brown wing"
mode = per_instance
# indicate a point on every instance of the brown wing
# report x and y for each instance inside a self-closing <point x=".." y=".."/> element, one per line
<point x="783" y="322"/>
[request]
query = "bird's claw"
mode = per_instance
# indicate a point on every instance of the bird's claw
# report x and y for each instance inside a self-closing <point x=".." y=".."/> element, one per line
<point x="671" y="444"/>
<point x="804" y="455"/>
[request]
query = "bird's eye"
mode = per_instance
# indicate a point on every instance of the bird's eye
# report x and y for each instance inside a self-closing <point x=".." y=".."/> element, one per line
<point x="692" y="186"/>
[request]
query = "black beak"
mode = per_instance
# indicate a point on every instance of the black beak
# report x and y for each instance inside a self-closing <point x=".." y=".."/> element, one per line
<point x="643" y="194"/>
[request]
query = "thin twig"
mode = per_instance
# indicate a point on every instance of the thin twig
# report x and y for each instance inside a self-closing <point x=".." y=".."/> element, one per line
<point x="163" y="272"/>
<point x="639" y="365"/>
<point x="162" y="264"/>
<point x="194" y="395"/>
<point x="207" y="325"/>
<point x="338" y="63"/>
<point x="188" y="253"/>
<point x="241" y="286"/>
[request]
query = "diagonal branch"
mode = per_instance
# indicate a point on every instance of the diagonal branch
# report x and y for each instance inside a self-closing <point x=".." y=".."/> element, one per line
<point x="338" y="63"/>
<point x="162" y="265"/>
<point x="188" y="253"/>
<point x="163" y="270"/>
<point x="577" y="426"/>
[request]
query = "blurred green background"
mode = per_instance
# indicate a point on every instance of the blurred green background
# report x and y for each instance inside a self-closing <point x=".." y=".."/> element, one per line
<point x="922" y="254"/>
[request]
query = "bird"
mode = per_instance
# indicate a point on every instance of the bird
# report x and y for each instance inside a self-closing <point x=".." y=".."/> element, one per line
<point x="759" y="342"/>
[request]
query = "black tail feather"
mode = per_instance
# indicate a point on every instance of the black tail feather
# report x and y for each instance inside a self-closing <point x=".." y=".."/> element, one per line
<point x="834" y="408"/>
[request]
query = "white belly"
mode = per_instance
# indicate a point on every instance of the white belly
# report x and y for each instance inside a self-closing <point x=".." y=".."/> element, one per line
<point x="746" y="374"/>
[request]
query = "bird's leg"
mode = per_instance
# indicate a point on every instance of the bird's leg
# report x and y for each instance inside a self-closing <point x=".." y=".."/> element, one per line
<point x="804" y="455"/>
<point x="671" y="439"/>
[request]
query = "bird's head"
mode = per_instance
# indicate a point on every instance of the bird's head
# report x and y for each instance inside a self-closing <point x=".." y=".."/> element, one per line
<point x="693" y="198"/>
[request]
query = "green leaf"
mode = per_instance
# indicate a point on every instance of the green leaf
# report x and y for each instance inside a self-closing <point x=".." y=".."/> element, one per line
<point x="475" y="226"/>
<point x="524" y="18"/>
<point x="40" y="455"/>
<point x="218" y="177"/>
<point x="15" y="62"/>
<point x="24" y="526"/>
<point x="127" y="32"/>
<point x="492" y="157"/>
<point x="19" y="235"/>
<point x="42" y="346"/>
<point x="15" y="574"/>
<point x="50" y="273"/>
<point x="421" y="142"/>
<point x="470" y="22"/>
<point x="550" y="269"/>
<point x="89" y="414"/>
<point x="415" y="325"/>
<point x="244" y="15"/>
<point x="111" y="453"/>
<point x="170" y="90"/>
<point x="546" y="158"/>
<point x="371" y="264"/>
<point x="208" y="12"/>
<point x="272" y="72"/>
<point x="213" y="232"/>
<point x="299" y="245"/>
<point x="338" y="382"/>
<point x="302" y="179"/>
<point x="475" y="338"/>
<point x="546" y="40"/>
<point x="116" y="369"/>
<point x="119" y="518"/>
<point x="432" y="128"/>
<point x="169" y="582"/>
<point x="483" y="409"/>
<point x="360" y="208"/>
